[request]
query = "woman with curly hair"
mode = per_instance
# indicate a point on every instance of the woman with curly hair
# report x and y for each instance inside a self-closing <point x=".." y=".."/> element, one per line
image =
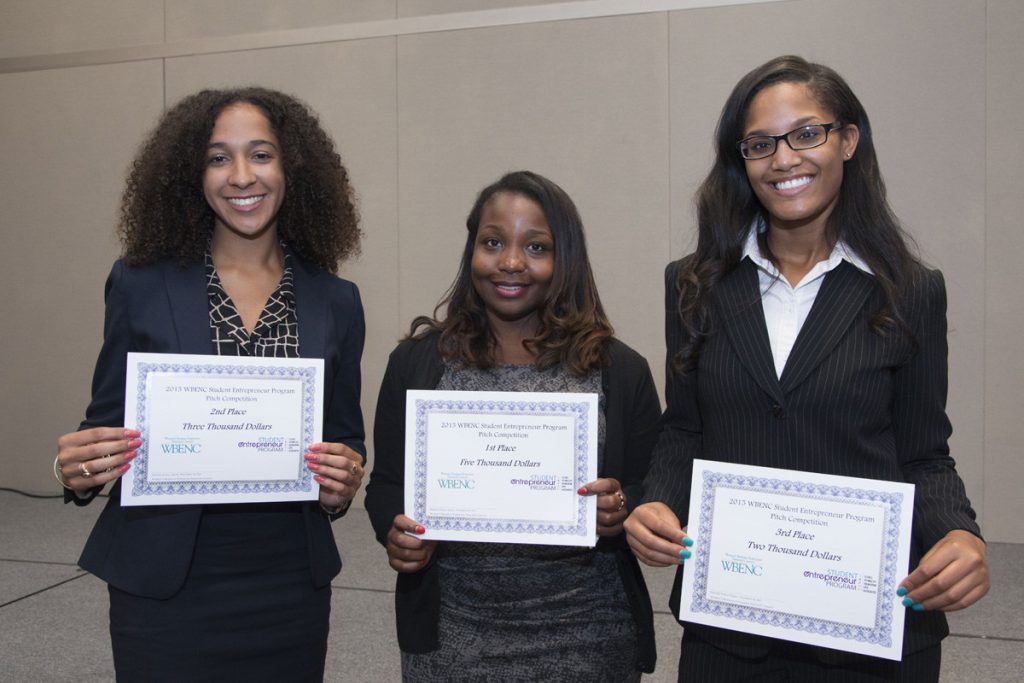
<point x="522" y="315"/>
<point x="804" y="334"/>
<point x="236" y="213"/>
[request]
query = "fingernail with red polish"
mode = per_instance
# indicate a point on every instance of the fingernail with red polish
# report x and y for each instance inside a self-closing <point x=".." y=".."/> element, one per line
<point x="313" y="466"/>
<point x="420" y="529"/>
<point x="311" y="457"/>
<point x="319" y="478"/>
<point x="131" y="456"/>
<point x="582" y="491"/>
<point x="132" y="433"/>
<point x="315" y="447"/>
<point x="134" y="443"/>
<point x="125" y="467"/>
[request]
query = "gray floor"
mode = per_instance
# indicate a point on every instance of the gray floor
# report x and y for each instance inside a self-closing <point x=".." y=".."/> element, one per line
<point x="53" y="617"/>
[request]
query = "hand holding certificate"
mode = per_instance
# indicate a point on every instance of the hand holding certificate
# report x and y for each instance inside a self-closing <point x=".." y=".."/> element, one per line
<point x="501" y="466"/>
<point x="800" y="556"/>
<point x="219" y="429"/>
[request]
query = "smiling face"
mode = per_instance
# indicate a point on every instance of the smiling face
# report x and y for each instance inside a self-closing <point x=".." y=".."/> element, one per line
<point x="513" y="261"/>
<point x="798" y="189"/>
<point x="244" y="181"/>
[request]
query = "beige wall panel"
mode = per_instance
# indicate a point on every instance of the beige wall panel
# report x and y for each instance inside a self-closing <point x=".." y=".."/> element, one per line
<point x="583" y="103"/>
<point x="68" y="137"/>
<point x="352" y="87"/>
<point x="36" y="27"/>
<point x="902" y="59"/>
<point x="417" y="8"/>
<point x="1004" y="312"/>
<point x="188" y="19"/>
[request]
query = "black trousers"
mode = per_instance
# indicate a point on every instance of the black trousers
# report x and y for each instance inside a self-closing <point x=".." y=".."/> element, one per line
<point x="701" y="661"/>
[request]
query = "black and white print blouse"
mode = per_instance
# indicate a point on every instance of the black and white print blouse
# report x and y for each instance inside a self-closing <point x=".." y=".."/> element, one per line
<point x="276" y="333"/>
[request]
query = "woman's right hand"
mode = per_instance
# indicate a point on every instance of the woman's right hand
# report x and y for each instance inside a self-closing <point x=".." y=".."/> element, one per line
<point x="94" y="457"/>
<point x="407" y="553"/>
<point x="655" y="536"/>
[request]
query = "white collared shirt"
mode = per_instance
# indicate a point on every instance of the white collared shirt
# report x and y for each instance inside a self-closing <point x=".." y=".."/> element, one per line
<point x="786" y="307"/>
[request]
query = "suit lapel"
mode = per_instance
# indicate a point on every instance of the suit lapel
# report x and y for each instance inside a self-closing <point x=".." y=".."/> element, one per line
<point x="310" y="309"/>
<point x="837" y="306"/>
<point x="742" y="318"/>
<point x="190" y="307"/>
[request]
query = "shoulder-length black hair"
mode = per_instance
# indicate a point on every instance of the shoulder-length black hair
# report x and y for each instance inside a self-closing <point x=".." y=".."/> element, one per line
<point x="164" y="213"/>
<point x="727" y="206"/>
<point x="573" y="327"/>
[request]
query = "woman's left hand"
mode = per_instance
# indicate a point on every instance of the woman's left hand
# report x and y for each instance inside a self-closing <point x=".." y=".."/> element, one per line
<point x="611" y="505"/>
<point x="951" y="576"/>
<point x="339" y="471"/>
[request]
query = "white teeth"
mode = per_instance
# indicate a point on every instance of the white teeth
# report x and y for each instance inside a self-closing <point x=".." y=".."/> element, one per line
<point x="245" y="201"/>
<point x="792" y="183"/>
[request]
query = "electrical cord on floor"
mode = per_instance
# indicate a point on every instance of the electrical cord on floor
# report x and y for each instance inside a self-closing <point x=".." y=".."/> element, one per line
<point x="41" y="495"/>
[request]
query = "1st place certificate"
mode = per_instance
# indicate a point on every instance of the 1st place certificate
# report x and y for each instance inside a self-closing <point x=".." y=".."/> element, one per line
<point x="501" y="466"/>
<point x="221" y="429"/>
<point x="805" y="557"/>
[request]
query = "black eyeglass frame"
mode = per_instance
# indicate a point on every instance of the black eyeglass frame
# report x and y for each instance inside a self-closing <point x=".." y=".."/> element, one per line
<point x="829" y="127"/>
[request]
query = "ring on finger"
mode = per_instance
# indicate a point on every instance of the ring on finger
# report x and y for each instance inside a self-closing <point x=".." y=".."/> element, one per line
<point x="622" y="500"/>
<point x="84" y="470"/>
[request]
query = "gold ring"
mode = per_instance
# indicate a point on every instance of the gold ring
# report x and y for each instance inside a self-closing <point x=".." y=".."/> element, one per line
<point x="622" y="500"/>
<point x="84" y="470"/>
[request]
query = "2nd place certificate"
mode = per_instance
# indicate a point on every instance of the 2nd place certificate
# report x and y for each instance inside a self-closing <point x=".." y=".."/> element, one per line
<point x="805" y="557"/>
<point x="501" y="466"/>
<point x="219" y="429"/>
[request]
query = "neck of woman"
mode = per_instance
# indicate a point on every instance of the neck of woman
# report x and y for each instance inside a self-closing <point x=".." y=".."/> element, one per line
<point x="509" y="337"/>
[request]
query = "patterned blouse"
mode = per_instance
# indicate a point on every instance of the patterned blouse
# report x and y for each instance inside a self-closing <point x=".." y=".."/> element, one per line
<point x="276" y="333"/>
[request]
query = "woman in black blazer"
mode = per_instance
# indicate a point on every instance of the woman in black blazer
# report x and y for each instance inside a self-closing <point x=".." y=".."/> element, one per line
<point x="803" y="334"/>
<point x="236" y="213"/>
<point x="522" y="315"/>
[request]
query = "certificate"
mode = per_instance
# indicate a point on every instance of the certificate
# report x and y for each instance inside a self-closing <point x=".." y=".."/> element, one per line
<point x="221" y="429"/>
<point x="502" y="467"/>
<point x="805" y="557"/>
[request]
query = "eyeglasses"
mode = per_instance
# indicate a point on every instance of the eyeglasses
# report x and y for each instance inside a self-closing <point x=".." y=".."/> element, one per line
<point x="804" y="137"/>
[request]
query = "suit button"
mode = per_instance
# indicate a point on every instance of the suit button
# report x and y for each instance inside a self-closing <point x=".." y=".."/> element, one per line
<point x="779" y="412"/>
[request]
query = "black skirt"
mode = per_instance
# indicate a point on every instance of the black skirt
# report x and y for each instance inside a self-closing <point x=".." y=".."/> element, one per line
<point x="248" y="609"/>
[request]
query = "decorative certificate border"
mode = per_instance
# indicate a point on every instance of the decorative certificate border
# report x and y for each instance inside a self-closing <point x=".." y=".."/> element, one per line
<point x="577" y="410"/>
<point x="303" y="481"/>
<point x="890" y="502"/>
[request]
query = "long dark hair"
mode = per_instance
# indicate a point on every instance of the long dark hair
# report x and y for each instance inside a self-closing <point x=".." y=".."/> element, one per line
<point x="727" y="206"/>
<point x="164" y="213"/>
<point x="573" y="327"/>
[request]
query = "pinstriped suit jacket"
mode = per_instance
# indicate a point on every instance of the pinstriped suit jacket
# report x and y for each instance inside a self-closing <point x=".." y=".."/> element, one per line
<point x="849" y="402"/>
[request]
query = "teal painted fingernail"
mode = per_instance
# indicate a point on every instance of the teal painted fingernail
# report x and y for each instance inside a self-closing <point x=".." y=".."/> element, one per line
<point x="907" y="602"/>
<point x="918" y="607"/>
<point x="901" y="591"/>
<point x="687" y="541"/>
<point x="685" y="554"/>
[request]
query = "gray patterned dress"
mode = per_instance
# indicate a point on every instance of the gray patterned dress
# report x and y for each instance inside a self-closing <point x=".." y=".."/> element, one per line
<point x="512" y="612"/>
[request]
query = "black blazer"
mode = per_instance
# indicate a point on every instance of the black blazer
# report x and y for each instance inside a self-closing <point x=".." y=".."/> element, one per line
<point x="163" y="308"/>
<point x="631" y="413"/>
<point x="850" y="402"/>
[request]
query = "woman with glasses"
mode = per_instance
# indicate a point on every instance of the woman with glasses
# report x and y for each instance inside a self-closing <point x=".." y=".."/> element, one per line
<point x="804" y="334"/>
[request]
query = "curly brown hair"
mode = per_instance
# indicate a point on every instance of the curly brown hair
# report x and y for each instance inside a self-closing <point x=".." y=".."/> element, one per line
<point x="164" y="213"/>
<point x="574" y="329"/>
